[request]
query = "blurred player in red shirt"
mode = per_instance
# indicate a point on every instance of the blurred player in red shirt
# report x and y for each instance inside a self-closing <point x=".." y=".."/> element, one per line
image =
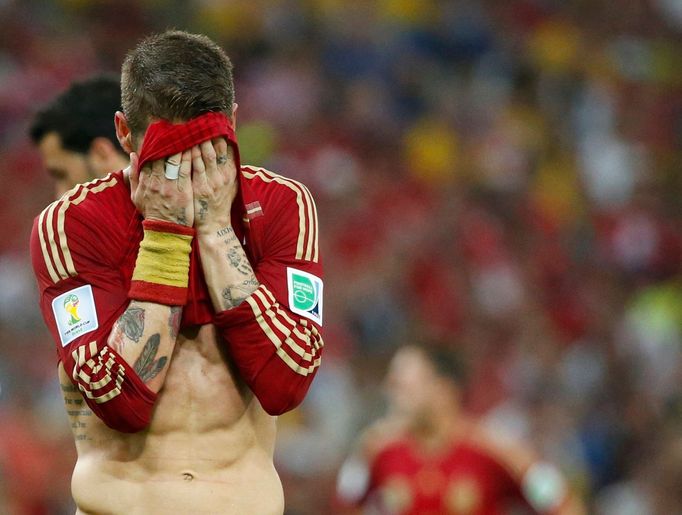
<point x="75" y="132"/>
<point x="427" y="458"/>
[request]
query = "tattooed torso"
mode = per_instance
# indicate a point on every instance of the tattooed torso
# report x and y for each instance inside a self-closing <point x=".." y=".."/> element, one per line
<point x="209" y="442"/>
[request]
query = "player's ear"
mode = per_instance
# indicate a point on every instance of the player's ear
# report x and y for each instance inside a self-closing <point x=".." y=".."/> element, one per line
<point x="235" y="106"/>
<point x="102" y="153"/>
<point x="123" y="132"/>
<point x="101" y="148"/>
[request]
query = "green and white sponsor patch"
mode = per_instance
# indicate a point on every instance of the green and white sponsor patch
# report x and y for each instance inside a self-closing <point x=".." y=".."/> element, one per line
<point x="305" y="294"/>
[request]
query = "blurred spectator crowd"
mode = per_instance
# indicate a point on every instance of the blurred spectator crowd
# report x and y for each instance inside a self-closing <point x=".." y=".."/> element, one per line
<point x="500" y="177"/>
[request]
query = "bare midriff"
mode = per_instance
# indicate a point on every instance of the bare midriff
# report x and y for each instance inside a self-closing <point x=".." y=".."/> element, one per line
<point x="207" y="450"/>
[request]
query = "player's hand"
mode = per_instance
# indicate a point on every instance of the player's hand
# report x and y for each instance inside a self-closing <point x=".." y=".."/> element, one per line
<point x="159" y="198"/>
<point x="214" y="184"/>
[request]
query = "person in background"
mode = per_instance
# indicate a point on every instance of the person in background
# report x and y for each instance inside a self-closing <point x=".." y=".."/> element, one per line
<point x="75" y="132"/>
<point x="427" y="457"/>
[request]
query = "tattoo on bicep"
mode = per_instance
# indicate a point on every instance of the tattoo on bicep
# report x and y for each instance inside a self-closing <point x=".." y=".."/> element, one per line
<point x="203" y="209"/>
<point x="131" y="323"/>
<point x="68" y="388"/>
<point x="174" y="320"/>
<point x="77" y="411"/>
<point x="146" y="366"/>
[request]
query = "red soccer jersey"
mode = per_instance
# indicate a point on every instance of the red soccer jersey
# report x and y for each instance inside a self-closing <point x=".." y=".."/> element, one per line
<point x="84" y="247"/>
<point x="464" y="479"/>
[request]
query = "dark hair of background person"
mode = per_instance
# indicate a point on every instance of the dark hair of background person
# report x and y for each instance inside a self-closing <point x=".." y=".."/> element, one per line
<point x="80" y="114"/>
<point x="446" y="362"/>
<point x="175" y="76"/>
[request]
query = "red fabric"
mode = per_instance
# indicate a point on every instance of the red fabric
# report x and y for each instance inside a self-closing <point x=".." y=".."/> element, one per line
<point x="158" y="293"/>
<point x="95" y="244"/>
<point x="164" y="139"/>
<point x="104" y="232"/>
<point x="277" y="354"/>
<point x="464" y="478"/>
<point x="163" y="226"/>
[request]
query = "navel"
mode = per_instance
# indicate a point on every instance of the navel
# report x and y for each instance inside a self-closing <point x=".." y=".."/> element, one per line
<point x="188" y="476"/>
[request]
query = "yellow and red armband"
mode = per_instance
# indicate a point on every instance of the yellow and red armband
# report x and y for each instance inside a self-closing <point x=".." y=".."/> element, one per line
<point x="161" y="271"/>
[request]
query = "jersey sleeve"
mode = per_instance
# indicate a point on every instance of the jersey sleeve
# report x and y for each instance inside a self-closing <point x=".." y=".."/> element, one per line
<point x="275" y="334"/>
<point x="81" y="296"/>
<point x="534" y="485"/>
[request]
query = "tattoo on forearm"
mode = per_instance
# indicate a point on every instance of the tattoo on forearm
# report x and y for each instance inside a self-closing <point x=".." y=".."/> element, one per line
<point x="182" y="216"/>
<point x="131" y="323"/>
<point x="146" y="366"/>
<point x="225" y="231"/>
<point x="174" y="320"/>
<point x="235" y="295"/>
<point x="203" y="209"/>
<point x="239" y="261"/>
<point x="253" y="282"/>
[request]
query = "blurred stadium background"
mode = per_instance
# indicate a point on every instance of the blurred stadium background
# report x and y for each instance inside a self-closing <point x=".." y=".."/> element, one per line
<point x="500" y="176"/>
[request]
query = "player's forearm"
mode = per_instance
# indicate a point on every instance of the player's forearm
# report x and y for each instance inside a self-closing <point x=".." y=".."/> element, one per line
<point x="144" y="336"/>
<point x="229" y="275"/>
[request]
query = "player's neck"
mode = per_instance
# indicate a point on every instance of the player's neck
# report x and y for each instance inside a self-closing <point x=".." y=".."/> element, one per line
<point x="438" y="429"/>
<point x="121" y="163"/>
<point x="126" y="175"/>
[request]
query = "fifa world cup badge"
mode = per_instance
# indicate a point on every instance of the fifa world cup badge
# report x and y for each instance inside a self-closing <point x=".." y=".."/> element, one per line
<point x="75" y="314"/>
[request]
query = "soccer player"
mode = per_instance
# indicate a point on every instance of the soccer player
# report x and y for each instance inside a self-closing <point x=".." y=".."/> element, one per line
<point x="426" y="457"/>
<point x="75" y="134"/>
<point x="184" y="295"/>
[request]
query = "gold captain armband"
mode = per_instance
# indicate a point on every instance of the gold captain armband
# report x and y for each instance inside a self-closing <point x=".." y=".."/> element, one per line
<point x="161" y="271"/>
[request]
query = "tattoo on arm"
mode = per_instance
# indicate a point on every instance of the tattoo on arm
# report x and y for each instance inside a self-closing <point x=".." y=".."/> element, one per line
<point x="131" y="323"/>
<point x="203" y="209"/>
<point x="174" y="320"/>
<point x="225" y="231"/>
<point x="235" y="295"/>
<point x="68" y="388"/>
<point x="182" y="216"/>
<point x="77" y="411"/>
<point x="146" y="366"/>
<point x="239" y="261"/>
